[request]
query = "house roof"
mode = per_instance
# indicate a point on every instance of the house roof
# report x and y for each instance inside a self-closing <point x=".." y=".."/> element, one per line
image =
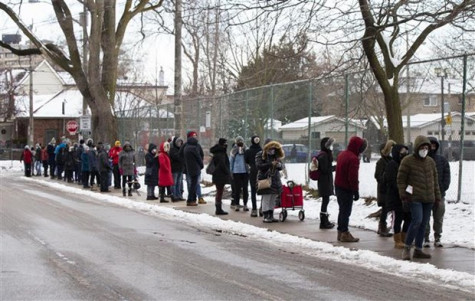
<point x="420" y="120"/>
<point x="51" y="106"/>
<point x="302" y="124"/>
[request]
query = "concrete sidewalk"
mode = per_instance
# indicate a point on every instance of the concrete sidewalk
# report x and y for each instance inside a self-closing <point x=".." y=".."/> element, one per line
<point x="448" y="257"/>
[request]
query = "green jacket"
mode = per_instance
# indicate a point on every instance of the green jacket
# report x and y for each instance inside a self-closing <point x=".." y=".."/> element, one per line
<point x="421" y="174"/>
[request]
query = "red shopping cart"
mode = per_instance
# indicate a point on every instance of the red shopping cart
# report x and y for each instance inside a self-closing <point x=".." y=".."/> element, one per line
<point x="291" y="198"/>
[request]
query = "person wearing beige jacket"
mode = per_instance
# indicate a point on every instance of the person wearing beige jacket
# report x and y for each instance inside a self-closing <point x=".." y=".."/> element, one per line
<point x="418" y="187"/>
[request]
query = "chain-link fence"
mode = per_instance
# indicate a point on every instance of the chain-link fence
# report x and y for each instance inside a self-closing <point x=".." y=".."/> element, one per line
<point x="299" y="114"/>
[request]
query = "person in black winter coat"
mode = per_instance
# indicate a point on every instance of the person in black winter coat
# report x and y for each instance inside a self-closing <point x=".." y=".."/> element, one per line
<point x="103" y="167"/>
<point x="250" y="158"/>
<point x="443" y="173"/>
<point x="385" y="151"/>
<point x="69" y="162"/>
<point x="222" y="173"/>
<point x="177" y="163"/>
<point x="393" y="201"/>
<point x="151" y="171"/>
<point x="325" y="181"/>
<point x="192" y="153"/>
<point x="269" y="164"/>
<point x="51" y="157"/>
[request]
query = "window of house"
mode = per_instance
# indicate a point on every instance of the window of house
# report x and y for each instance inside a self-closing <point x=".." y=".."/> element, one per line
<point x="430" y="101"/>
<point x="436" y="133"/>
<point x="315" y="135"/>
<point x="430" y="133"/>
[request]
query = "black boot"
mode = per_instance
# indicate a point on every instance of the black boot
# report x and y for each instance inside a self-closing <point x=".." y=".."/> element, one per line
<point x="130" y="192"/>
<point x="162" y="199"/>
<point x="324" y="222"/>
<point x="383" y="231"/>
<point x="219" y="210"/>
<point x="267" y="218"/>
<point x="123" y="191"/>
<point x="271" y="217"/>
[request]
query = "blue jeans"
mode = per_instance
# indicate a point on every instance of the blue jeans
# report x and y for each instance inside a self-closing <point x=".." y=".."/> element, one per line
<point x="193" y="181"/>
<point x="38" y="167"/>
<point x="345" y="204"/>
<point x="177" y="187"/>
<point x="420" y="214"/>
<point x="198" y="186"/>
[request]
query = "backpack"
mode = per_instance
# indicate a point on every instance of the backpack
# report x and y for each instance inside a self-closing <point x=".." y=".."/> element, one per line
<point x="211" y="167"/>
<point x="314" y="172"/>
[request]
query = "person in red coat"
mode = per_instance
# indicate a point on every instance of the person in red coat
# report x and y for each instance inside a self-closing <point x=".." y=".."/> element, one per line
<point x="114" y="155"/>
<point x="346" y="184"/>
<point x="27" y="157"/>
<point x="165" y="178"/>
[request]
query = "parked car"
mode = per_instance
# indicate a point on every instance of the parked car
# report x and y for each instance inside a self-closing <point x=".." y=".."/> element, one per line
<point x="452" y="152"/>
<point x="337" y="149"/>
<point x="300" y="155"/>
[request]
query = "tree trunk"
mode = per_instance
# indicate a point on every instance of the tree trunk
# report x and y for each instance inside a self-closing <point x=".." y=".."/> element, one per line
<point x="394" y="115"/>
<point x="104" y="123"/>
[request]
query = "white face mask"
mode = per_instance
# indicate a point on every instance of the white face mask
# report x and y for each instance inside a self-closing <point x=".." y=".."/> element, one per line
<point x="331" y="147"/>
<point x="423" y="153"/>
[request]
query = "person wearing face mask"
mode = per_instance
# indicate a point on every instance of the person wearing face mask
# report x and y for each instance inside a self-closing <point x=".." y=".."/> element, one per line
<point x="443" y="173"/>
<point x="269" y="164"/>
<point x="325" y="181"/>
<point x="385" y="150"/>
<point x="151" y="171"/>
<point x="250" y="158"/>
<point x="393" y="201"/>
<point x="221" y="174"/>
<point x="418" y="187"/>
<point x="240" y="171"/>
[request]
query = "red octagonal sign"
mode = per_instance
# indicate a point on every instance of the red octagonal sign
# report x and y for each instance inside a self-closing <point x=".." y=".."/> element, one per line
<point x="72" y="127"/>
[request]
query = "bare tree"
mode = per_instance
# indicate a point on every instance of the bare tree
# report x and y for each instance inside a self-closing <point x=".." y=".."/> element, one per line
<point x="106" y="36"/>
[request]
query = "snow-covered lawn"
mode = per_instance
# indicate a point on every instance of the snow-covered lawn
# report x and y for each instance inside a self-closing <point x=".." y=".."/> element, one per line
<point x="458" y="216"/>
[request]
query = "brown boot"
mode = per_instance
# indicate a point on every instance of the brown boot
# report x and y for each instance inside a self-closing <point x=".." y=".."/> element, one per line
<point x="338" y="237"/>
<point x="418" y="253"/>
<point x="398" y="243"/>
<point x="347" y="237"/>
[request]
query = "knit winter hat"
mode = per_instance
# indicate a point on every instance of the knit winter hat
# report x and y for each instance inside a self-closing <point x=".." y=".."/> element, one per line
<point x="255" y="140"/>
<point x="191" y="134"/>
<point x="239" y="139"/>
<point x="117" y="143"/>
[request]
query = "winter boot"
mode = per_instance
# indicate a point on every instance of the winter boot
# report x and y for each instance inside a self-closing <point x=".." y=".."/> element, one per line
<point x="267" y="218"/>
<point x="426" y="242"/>
<point x="347" y="237"/>
<point x="130" y="192"/>
<point x="437" y="243"/>
<point x="406" y="253"/>
<point x="254" y="213"/>
<point x="219" y="210"/>
<point x="162" y="199"/>
<point x="338" y="236"/>
<point x="419" y="254"/>
<point x="398" y="243"/>
<point x="150" y="198"/>
<point x="123" y="191"/>
<point x="383" y="231"/>
<point x="201" y="201"/>
<point x="324" y="222"/>
<point x="271" y="216"/>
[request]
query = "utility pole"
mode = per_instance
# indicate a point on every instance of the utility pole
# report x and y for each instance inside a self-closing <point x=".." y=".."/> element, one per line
<point x="179" y="131"/>
<point x="31" y="126"/>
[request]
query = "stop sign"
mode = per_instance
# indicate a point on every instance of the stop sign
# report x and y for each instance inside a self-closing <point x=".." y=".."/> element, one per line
<point x="72" y="127"/>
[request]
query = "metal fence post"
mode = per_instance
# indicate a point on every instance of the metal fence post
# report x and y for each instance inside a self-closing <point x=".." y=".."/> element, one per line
<point x="272" y="112"/>
<point x="462" y="128"/>
<point x="247" y="114"/>
<point x="347" y="92"/>
<point x="309" y="131"/>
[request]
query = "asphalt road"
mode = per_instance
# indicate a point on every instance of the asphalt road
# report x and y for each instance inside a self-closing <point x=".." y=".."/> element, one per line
<point x="56" y="246"/>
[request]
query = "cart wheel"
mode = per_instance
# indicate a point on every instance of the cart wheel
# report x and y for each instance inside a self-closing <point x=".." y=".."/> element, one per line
<point x="282" y="216"/>
<point x="260" y="212"/>
<point x="301" y="215"/>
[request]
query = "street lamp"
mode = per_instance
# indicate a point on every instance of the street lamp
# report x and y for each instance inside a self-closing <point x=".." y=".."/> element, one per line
<point x="442" y="73"/>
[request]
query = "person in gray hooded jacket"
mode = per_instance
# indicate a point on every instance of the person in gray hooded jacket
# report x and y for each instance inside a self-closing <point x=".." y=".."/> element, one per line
<point x="127" y="167"/>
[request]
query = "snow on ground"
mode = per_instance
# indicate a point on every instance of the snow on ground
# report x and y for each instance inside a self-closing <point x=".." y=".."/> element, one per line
<point x="458" y="216"/>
